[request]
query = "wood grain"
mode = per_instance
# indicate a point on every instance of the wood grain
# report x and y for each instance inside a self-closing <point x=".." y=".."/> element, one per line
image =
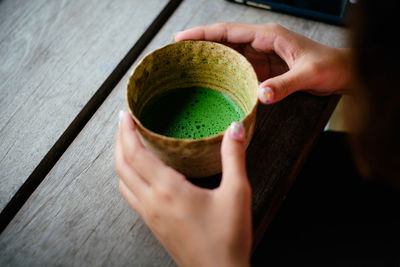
<point x="77" y="217"/>
<point x="55" y="56"/>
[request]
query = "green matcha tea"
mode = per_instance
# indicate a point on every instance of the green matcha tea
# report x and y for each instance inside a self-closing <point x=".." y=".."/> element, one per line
<point x="190" y="113"/>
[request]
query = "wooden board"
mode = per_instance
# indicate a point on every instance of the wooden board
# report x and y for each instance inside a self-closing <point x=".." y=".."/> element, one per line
<point x="77" y="217"/>
<point x="54" y="56"/>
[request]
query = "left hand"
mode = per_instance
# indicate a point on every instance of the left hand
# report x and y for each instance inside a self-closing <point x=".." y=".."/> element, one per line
<point x="285" y="61"/>
<point x="198" y="227"/>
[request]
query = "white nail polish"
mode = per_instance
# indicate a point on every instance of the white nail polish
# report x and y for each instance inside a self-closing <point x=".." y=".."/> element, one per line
<point x="120" y="116"/>
<point x="265" y="95"/>
<point x="237" y="130"/>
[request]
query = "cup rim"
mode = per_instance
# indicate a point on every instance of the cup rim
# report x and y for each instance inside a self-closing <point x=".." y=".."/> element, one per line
<point x="213" y="138"/>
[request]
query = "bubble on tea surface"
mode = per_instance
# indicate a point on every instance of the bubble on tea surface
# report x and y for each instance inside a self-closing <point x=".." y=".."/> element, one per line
<point x="191" y="113"/>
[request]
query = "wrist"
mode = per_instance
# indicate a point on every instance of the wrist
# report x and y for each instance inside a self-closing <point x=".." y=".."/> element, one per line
<point x="212" y="261"/>
<point x="236" y="260"/>
<point x="346" y="81"/>
<point x="230" y="261"/>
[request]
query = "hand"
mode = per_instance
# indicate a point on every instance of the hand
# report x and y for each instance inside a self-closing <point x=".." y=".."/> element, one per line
<point x="285" y="61"/>
<point x="198" y="227"/>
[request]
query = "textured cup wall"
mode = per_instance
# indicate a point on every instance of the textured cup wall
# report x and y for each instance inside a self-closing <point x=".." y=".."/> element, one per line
<point x="186" y="64"/>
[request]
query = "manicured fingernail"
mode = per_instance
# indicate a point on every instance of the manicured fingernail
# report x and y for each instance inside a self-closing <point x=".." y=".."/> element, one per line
<point x="176" y="34"/>
<point x="120" y="116"/>
<point x="266" y="95"/>
<point x="237" y="130"/>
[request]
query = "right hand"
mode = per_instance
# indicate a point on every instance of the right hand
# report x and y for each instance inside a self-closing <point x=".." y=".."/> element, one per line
<point x="284" y="61"/>
<point x="197" y="226"/>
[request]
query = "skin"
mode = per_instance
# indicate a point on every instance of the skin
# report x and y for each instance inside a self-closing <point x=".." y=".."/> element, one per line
<point x="203" y="227"/>
<point x="198" y="227"/>
<point x="284" y="61"/>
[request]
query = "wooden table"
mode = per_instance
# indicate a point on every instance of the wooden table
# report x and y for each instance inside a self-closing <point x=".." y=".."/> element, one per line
<point x="63" y="74"/>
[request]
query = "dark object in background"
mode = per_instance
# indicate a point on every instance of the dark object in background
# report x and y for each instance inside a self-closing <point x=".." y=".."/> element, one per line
<point x="332" y="216"/>
<point x="330" y="11"/>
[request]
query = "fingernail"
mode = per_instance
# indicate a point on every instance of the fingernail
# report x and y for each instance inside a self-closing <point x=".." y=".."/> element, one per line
<point x="266" y="95"/>
<point x="176" y="34"/>
<point x="237" y="130"/>
<point x="120" y="116"/>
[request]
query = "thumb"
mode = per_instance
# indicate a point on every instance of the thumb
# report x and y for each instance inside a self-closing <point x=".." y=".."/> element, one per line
<point x="279" y="87"/>
<point x="233" y="154"/>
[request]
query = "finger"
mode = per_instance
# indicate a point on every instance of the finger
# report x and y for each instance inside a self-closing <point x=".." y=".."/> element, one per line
<point x="145" y="163"/>
<point x="263" y="38"/>
<point x="279" y="87"/>
<point x="233" y="154"/>
<point x="220" y="32"/>
<point x="131" y="179"/>
<point x="130" y="197"/>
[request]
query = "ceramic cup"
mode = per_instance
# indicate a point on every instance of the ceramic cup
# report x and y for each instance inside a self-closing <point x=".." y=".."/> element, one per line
<point x="187" y="64"/>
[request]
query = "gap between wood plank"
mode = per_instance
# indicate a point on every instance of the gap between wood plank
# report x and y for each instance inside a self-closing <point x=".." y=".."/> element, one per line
<point x="62" y="144"/>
